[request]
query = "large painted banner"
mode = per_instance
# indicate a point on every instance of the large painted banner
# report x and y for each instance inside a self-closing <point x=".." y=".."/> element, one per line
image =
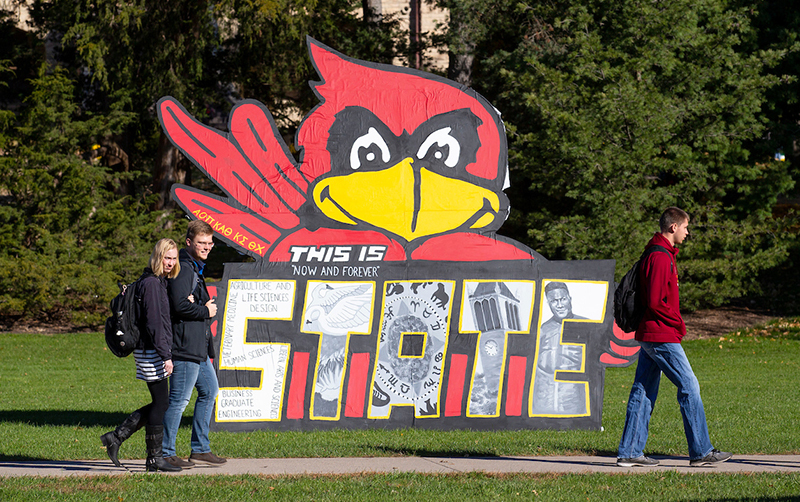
<point x="380" y="294"/>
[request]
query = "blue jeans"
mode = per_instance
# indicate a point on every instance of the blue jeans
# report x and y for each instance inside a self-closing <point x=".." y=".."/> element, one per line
<point x="669" y="358"/>
<point x="186" y="376"/>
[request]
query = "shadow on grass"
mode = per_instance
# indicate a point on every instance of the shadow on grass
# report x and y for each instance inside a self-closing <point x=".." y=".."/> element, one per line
<point x="593" y="452"/>
<point x="20" y="458"/>
<point x="424" y="452"/>
<point x="461" y="452"/>
<point x="73" y="418"/>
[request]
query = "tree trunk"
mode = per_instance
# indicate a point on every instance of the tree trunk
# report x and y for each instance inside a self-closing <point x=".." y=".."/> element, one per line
<point x="115" y="158"/>
<point x="373" y="10"/>
<point x="462" y="47"/>
<point x="415" y="32"/>
<point x="171" y="167"/>
<point x="460" y="69"/>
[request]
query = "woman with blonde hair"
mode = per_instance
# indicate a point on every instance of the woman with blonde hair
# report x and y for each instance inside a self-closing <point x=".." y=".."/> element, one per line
<point x="153" y="357"/>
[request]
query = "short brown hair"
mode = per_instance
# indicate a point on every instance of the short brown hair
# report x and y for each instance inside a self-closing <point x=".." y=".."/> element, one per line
<point x="157" y="258"/>
<point x="670" y="216"/>
<point x="198" y="227"/>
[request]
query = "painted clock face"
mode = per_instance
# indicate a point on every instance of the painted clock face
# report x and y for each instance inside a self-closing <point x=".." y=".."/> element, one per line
<point x="491" y="348"/>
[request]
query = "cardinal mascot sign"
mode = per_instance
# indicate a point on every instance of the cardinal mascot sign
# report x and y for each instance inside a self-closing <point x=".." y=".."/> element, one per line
<point x="380" y="294"/>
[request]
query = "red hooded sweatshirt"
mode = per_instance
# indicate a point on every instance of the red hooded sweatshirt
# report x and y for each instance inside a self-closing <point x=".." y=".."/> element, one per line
<point x="662" y="320"/>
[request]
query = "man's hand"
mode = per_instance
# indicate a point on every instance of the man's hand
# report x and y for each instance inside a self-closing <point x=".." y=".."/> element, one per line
<point x="212" y="308"/>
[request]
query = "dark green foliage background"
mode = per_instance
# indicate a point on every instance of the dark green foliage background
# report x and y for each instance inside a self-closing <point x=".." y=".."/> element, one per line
<point x="65" y="239"/>
<point x="615" y="109"/>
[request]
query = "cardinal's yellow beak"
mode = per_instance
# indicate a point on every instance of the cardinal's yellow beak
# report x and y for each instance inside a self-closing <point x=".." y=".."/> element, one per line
<point x="406" y="204"/>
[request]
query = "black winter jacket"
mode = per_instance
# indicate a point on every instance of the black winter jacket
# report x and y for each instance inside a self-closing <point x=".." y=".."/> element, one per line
<point x="191" y="333"/>
<point x="153" y="315"/>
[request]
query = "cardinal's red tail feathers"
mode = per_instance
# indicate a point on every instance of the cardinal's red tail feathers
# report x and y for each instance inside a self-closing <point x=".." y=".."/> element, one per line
<point x="622" y="350"/>
<point x="222" y="161"/>
<point x="238" y="227"/>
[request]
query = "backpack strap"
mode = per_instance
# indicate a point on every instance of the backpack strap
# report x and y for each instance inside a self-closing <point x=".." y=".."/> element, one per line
<point x="653" y="249"/>
<point x="196" y="279"/>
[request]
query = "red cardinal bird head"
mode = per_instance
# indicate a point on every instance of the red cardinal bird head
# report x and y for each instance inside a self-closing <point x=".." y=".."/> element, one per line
<point x="402" y="150"/>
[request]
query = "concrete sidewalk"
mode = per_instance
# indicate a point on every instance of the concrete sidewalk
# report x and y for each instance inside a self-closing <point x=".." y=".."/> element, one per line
<point x="426" y="465"/>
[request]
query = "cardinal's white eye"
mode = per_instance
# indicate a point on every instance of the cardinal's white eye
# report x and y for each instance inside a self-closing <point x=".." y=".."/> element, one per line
<point x="371" y="143"/>
<point x="439" y="143"/>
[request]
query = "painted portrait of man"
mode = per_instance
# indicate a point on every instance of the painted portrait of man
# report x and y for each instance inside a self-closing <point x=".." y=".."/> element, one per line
<point x="552" y="396"/>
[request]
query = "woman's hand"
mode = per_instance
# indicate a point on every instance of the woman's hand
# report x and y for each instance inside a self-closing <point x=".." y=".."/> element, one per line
<point x="168" y="367"/>
<point x="190" y="298"/>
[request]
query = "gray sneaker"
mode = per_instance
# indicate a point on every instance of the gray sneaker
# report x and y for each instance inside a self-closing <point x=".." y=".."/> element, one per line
<point x="637" y="462"/>
<point x="715" y="457"/>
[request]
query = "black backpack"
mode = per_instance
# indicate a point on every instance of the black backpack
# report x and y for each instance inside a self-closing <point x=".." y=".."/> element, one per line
<point x="122" y="331"/>
<point x="629" y="307"/>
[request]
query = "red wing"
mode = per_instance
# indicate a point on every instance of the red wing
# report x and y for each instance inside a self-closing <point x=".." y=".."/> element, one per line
<point x="222" y="161"/>
<point x="254" y="129"/>
<point x="238" y="227"/>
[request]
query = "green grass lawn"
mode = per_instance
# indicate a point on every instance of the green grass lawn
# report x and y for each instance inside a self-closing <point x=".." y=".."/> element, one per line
<point x="59" y="393"/>
<point x="409" y="487"/>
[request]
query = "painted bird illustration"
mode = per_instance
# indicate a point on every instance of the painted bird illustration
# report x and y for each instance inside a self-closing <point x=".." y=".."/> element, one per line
<point x="338" y="311"/>
<point x="390" y="156"/>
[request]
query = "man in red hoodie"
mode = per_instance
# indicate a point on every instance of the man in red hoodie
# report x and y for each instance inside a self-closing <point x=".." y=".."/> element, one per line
<point x="659" y="334"/>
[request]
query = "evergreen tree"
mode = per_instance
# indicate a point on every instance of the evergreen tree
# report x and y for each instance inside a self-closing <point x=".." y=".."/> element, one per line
<point x="126" y="55"/>
<point x="266" y="56"/>
<point x="472" y="24"/>
<point x="777" y="26"/>
<point x="64" y="237"/>
<point x="617" y="109"/>
<point x="80" y="146"/>
<point x="206" y="53"/>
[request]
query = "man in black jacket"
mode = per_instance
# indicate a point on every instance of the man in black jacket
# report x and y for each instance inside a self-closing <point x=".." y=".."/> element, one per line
<point x="192" y="349"/>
